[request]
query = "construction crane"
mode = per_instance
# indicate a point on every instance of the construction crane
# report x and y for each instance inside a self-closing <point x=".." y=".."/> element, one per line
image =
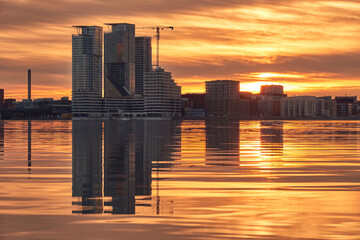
<point x="158" y="28"/>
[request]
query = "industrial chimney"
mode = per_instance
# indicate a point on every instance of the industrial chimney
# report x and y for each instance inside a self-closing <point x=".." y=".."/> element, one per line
<point x="29" y="84"/>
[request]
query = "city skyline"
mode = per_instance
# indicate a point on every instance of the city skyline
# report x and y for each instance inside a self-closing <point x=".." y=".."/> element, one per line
<point x="309" y="47"/>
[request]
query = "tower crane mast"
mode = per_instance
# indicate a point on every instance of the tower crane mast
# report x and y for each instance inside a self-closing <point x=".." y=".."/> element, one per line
<point x="158" y="28"/>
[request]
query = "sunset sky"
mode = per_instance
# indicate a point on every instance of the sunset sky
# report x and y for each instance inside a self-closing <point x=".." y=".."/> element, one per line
<point x="311" y="47"/>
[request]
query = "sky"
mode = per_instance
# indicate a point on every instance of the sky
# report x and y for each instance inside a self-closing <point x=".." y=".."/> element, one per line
<point x="312" y="47"/>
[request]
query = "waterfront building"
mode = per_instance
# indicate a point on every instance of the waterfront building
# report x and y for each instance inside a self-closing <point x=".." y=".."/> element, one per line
<point x="143" y="62"/>
<point x="346" y="106"/>
<point x="326" y="107"/>
<point x="272" y="90"/>
<point x="193" y="104"/>
<point x="222" y="98"/>
<point x="300" y="106"/>
<point x="87" y="71"/>
<point x="119" y="67"/>
<point x="162" y="95"/>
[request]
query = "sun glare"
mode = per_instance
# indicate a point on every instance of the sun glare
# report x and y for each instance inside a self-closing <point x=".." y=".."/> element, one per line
<point x="278" y="75"/>
<point x="253" y="87"/>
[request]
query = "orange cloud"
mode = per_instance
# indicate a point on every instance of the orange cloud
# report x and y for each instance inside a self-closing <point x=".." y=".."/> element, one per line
<point x="211" y="40"/>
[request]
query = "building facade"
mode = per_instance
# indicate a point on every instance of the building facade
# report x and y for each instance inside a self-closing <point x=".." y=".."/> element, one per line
<point x="301" y="106"/>
<point x="272" y="90"/>
<point x="161" y="94"/>
<point x="119" y="61"/>
<point x="222" y="98"/>
<point x="87" y="71"/>
<point x="143" y="60"/>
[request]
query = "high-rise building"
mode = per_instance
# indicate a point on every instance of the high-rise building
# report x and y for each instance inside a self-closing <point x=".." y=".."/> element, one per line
<point x="162" y="94"/>
<point x="87" y="71"/>
<point x="222" y="98"/>
<point x="143" y="60"/>
<point x="119" y="60"/>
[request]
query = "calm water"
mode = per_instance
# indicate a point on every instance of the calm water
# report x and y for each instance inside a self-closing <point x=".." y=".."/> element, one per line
<point x="179" y="180"/>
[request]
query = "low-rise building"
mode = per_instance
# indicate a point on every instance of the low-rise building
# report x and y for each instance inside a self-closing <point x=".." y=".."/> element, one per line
<point x="300" y="106"/>
<point x="222" y="98"/>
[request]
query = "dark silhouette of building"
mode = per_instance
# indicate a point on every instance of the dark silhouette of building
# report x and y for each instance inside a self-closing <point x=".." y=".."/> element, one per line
<point x="2" y="95"/>
<point x="222" y="98"/>
<point x="143" y="62"/>
<point x="9" y="103"/>
<point x="194" y="100"/>
<point x="346" y="106"/>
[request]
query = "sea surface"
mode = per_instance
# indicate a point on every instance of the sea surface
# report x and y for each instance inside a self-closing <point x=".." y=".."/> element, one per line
<point x="169" y="180"/>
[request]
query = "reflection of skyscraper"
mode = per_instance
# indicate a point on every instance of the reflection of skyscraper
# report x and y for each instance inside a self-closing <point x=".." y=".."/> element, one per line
<point x="87" y="166"/>
<point x="119" y="166"/>
<point x="222" y="142"/>
<point x="143" y="163"/>
<point x="2" y="139"/>
<point x="119" y="60"/>
<point x="29" y="146"/>
<point x="162" y="140"/>
<point x="272" y="139"/>
<point x="131" y="150"/>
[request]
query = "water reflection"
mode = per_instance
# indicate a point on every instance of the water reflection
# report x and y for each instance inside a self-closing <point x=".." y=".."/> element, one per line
<point x="296" y="178"/>
<point x="222" y="142"/>
<point x="87" y="166"/>
<point x="119" y="166"/>
<point x="2" y="137"/>
<point x="132" y="150"/>
<point x="272" y="140"/>
<point x="29" y="146"/>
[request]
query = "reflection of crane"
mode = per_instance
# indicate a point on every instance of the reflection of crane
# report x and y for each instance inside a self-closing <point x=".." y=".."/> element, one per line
<point x="158" y="28"/>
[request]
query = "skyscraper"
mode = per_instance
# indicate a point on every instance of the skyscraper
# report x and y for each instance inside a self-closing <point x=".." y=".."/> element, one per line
<point x="143" y="60"/>
<point x="87" y="71"/>
<point x="119" y="60"/>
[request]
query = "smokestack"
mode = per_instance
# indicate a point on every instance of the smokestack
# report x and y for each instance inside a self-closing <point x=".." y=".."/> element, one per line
<point x="29" y="84"/>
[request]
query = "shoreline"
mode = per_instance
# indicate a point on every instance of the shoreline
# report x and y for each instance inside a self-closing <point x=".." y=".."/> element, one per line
<point x="357" y="118"/>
